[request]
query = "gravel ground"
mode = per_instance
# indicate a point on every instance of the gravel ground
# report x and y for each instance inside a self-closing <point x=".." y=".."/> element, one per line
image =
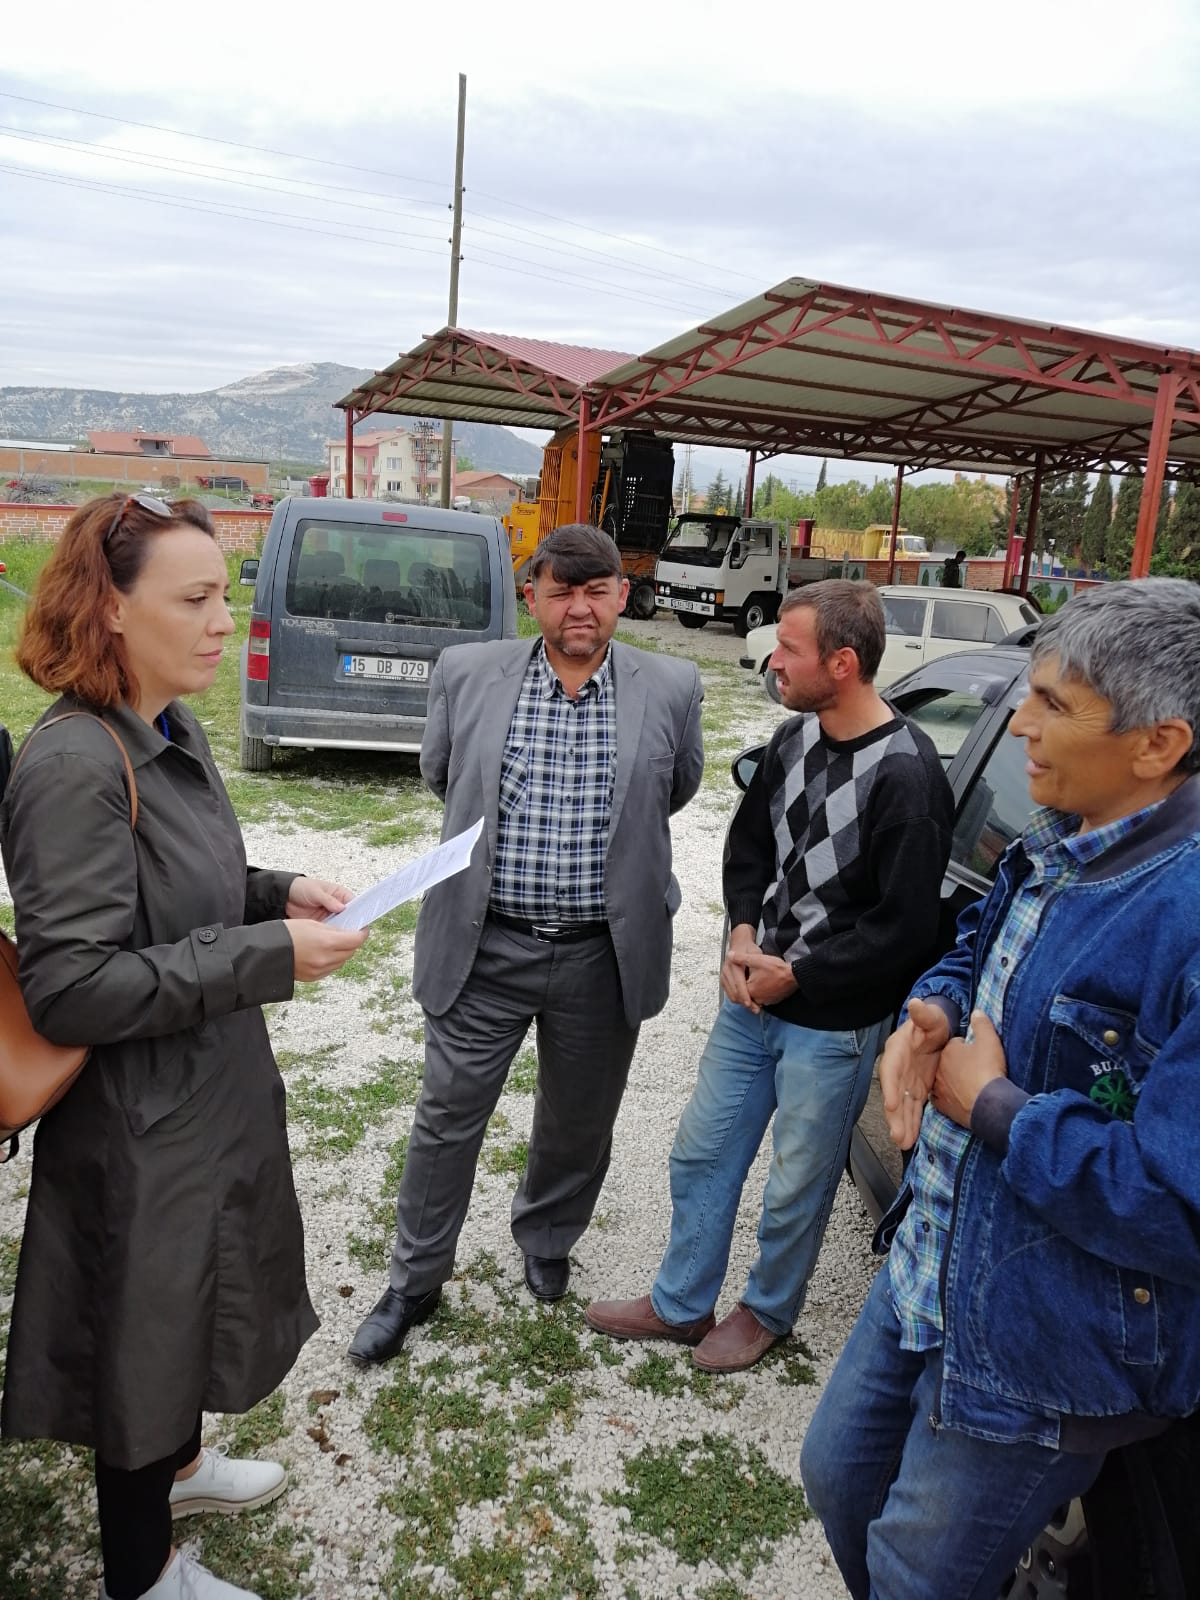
<point x="346" y="1509"/>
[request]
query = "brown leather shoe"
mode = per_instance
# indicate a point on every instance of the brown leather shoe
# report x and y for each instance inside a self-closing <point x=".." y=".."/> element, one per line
<point x="637" y="1319"/>
<point x="737" y="1342"/>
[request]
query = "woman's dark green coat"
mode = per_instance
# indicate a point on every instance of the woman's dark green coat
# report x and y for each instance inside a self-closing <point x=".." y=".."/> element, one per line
<point x="162" y="1265"/>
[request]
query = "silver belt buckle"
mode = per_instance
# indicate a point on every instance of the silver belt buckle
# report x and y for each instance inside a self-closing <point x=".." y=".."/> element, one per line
<point x="545" y="931"/>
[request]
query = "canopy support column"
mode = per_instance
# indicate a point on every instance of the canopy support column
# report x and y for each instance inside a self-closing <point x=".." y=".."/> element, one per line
<point x="1156" y="461"/>
<point x="1035" y="500"/>
<point x="1015" y="496"/>
<point x="581" y="484"/>
<point x="350" y="454"/>
<point x="895" y="523"/>
<point x="748" y="508"/>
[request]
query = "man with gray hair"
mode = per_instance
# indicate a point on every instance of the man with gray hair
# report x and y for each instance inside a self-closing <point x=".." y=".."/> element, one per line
<point x="1040" y="1304"/>
<point x="833" y="868"/>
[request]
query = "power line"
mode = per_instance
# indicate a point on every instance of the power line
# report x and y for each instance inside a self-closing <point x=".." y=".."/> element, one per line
<point x="186" y="168"/>
<point x="380" y="172"/>
<point x="605" y="234"/>
<point x="233" y="144"/>
<point x="174" y="168"/>
<point x="562" y="246"/>
<point x="149" y="197"/>
<point x="272" y="219"/>
<point x="484" y="252"/>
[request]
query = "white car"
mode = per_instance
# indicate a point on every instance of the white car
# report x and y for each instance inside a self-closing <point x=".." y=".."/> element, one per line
<point x="922" y="624"/>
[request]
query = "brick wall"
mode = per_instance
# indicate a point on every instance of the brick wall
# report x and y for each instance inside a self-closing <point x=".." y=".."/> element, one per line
<point x="236" y="530"/>
<point x="22" y="460"/>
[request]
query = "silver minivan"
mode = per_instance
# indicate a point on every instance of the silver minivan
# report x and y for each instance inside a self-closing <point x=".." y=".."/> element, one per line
<point x="354" y="600"/>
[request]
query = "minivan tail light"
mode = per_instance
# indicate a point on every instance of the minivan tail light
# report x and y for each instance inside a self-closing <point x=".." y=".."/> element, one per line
<point x="258" y="659"/>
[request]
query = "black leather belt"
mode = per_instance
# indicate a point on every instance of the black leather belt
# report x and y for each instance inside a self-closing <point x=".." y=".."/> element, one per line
<point x="551" y="932"/>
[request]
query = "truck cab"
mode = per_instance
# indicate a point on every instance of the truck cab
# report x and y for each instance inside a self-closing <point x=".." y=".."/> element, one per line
<point x="726" y="568"/>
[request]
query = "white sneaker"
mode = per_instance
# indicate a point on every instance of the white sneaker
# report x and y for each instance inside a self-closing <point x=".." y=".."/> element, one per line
<point x="186" y="1579"/>
<point x="219" y="1484"/>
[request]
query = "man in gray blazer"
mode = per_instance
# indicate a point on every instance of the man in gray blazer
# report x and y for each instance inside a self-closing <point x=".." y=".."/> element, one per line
<point x="575" y="750"/>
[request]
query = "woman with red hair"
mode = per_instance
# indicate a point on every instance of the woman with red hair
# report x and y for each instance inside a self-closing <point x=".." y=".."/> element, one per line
<point x="162" y="1266"/>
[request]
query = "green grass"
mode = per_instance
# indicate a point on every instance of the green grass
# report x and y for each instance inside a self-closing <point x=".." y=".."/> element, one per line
<point x="372" y="1247"/>
<point x="711" y="1499"/>
<point x="507" y="1158"/>
<point x="522" y="1075"/>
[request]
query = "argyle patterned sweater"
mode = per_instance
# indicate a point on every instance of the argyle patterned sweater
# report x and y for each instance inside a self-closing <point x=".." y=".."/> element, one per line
<point x="836" y="856"/>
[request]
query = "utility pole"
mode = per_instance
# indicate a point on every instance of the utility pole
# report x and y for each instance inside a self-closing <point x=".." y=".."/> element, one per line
<point x="455" y="249"/>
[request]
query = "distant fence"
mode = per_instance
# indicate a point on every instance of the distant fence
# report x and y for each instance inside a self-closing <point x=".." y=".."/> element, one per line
<point x="236" y="530"/>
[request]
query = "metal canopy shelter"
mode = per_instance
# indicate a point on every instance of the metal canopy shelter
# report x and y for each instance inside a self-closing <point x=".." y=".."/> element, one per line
<point x="814" y="368"/>
<point x="486" y="377"/>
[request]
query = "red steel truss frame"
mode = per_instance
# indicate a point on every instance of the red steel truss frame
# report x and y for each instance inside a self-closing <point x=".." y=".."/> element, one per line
<point x="1008" y="367"/>
<point x="859" y="357"/>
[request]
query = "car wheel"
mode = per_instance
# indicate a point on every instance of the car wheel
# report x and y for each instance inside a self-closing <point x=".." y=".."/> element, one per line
<point x="689" y="619"/>
<point x="641" y="602"/>
<point x="255" y="754"/>
<point x="1058" y="1563"/>
<point x="756" y="613"/>
<point x="771" y="685"/>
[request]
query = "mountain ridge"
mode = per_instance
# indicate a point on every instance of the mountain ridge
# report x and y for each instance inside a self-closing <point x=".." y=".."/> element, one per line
<point x="281" y="413"/>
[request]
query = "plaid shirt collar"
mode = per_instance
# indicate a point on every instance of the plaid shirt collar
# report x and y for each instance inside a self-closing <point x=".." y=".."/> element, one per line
<point x="1049" y="833"/>
<point x="552" y="684"/>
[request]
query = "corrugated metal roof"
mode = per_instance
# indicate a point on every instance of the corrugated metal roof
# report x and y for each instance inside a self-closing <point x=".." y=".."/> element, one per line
<point x="817" y="368"/>
<point x="820" y="369"/>
<point x="472" y="376"/>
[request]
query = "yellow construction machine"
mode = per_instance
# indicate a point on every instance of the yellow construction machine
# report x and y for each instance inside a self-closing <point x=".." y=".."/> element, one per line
<point x="631" y="477"/>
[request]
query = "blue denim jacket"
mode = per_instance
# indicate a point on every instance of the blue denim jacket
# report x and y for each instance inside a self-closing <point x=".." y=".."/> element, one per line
<point x="1071" y="1283"/>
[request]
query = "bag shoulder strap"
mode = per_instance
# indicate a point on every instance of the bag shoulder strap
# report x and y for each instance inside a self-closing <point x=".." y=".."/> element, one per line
<point x="112" y="734"/>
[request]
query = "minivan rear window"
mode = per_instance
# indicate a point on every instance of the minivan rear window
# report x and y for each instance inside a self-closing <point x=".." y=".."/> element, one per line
<point x="361" y="572"/>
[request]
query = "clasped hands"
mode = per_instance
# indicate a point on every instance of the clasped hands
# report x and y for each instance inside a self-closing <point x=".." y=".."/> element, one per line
<point x="751" y="979"/>
<point x="921" y="1062"/>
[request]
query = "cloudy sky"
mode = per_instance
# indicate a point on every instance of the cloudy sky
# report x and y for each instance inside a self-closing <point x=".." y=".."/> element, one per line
<point x="186" y="202"/>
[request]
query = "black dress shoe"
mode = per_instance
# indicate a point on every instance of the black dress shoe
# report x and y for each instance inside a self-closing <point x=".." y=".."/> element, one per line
<point x="381" y="1335"/>
<point x="547" y="1277"/>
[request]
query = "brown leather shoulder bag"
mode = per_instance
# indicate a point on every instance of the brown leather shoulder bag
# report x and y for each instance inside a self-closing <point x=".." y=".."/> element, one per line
<point x="35" y="1074"/>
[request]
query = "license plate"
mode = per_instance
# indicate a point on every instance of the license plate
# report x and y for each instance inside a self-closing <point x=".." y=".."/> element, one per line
<point x="387" y="669"/>
<point x="691" y="605"/>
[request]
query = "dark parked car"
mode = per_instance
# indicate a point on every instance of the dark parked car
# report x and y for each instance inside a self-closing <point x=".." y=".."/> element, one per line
<point x="354" y="601"/>
<point x="1136" y="1533"/>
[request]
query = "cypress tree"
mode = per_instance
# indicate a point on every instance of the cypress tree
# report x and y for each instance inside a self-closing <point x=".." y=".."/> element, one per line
<point x="1096" y="521"/>
<point x="1118" y="550"/>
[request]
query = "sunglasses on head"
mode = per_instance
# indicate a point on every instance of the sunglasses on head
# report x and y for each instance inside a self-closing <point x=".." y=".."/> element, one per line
<point x="157" y="508"/>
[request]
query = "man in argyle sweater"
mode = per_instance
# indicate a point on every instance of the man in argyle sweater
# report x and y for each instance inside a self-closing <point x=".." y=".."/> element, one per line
<point x="833" y="870"/>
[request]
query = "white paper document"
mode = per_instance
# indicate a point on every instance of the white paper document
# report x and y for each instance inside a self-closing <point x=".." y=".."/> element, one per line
<point x="443" y="862"/>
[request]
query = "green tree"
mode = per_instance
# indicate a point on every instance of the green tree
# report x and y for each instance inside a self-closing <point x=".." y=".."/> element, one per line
<point x="717" y="498"/>
<point x="1061" y="515"/>
<point x="822" y="476"/>
<point x="879" y="502"/>
<point x="1164" y="512"/>
<point x="1118" y="549"/>
<point x="1177" y="553"/>
<point x="463" y="464"/>
<point x="737" y="500"/>
<point x="842" y="505"/>
<point x="958" y="514"/>
<point x="1097" y="518"/>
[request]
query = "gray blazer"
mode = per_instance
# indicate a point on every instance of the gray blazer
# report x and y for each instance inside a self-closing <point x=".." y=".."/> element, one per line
<point x="660" y="758"/>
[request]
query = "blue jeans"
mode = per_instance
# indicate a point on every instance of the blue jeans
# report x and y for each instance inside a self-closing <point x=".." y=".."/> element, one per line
<point x="914" y="1512"/>
<point x="815" y="1084"/>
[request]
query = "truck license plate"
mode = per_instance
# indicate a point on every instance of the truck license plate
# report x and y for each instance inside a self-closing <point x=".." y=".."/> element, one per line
<point x="691" y="605"/>
<point x="397" y="669"/>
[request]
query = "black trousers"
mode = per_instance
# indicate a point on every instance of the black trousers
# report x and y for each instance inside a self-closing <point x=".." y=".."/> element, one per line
<point x="135" y="1520"/>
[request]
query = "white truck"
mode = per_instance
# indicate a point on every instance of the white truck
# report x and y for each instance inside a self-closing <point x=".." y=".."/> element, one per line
<point x="732" y="569"/>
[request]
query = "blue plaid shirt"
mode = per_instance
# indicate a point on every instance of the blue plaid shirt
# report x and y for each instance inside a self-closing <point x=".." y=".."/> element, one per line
<point x="556" y="788"/>
<point x="1057" y="854"/>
